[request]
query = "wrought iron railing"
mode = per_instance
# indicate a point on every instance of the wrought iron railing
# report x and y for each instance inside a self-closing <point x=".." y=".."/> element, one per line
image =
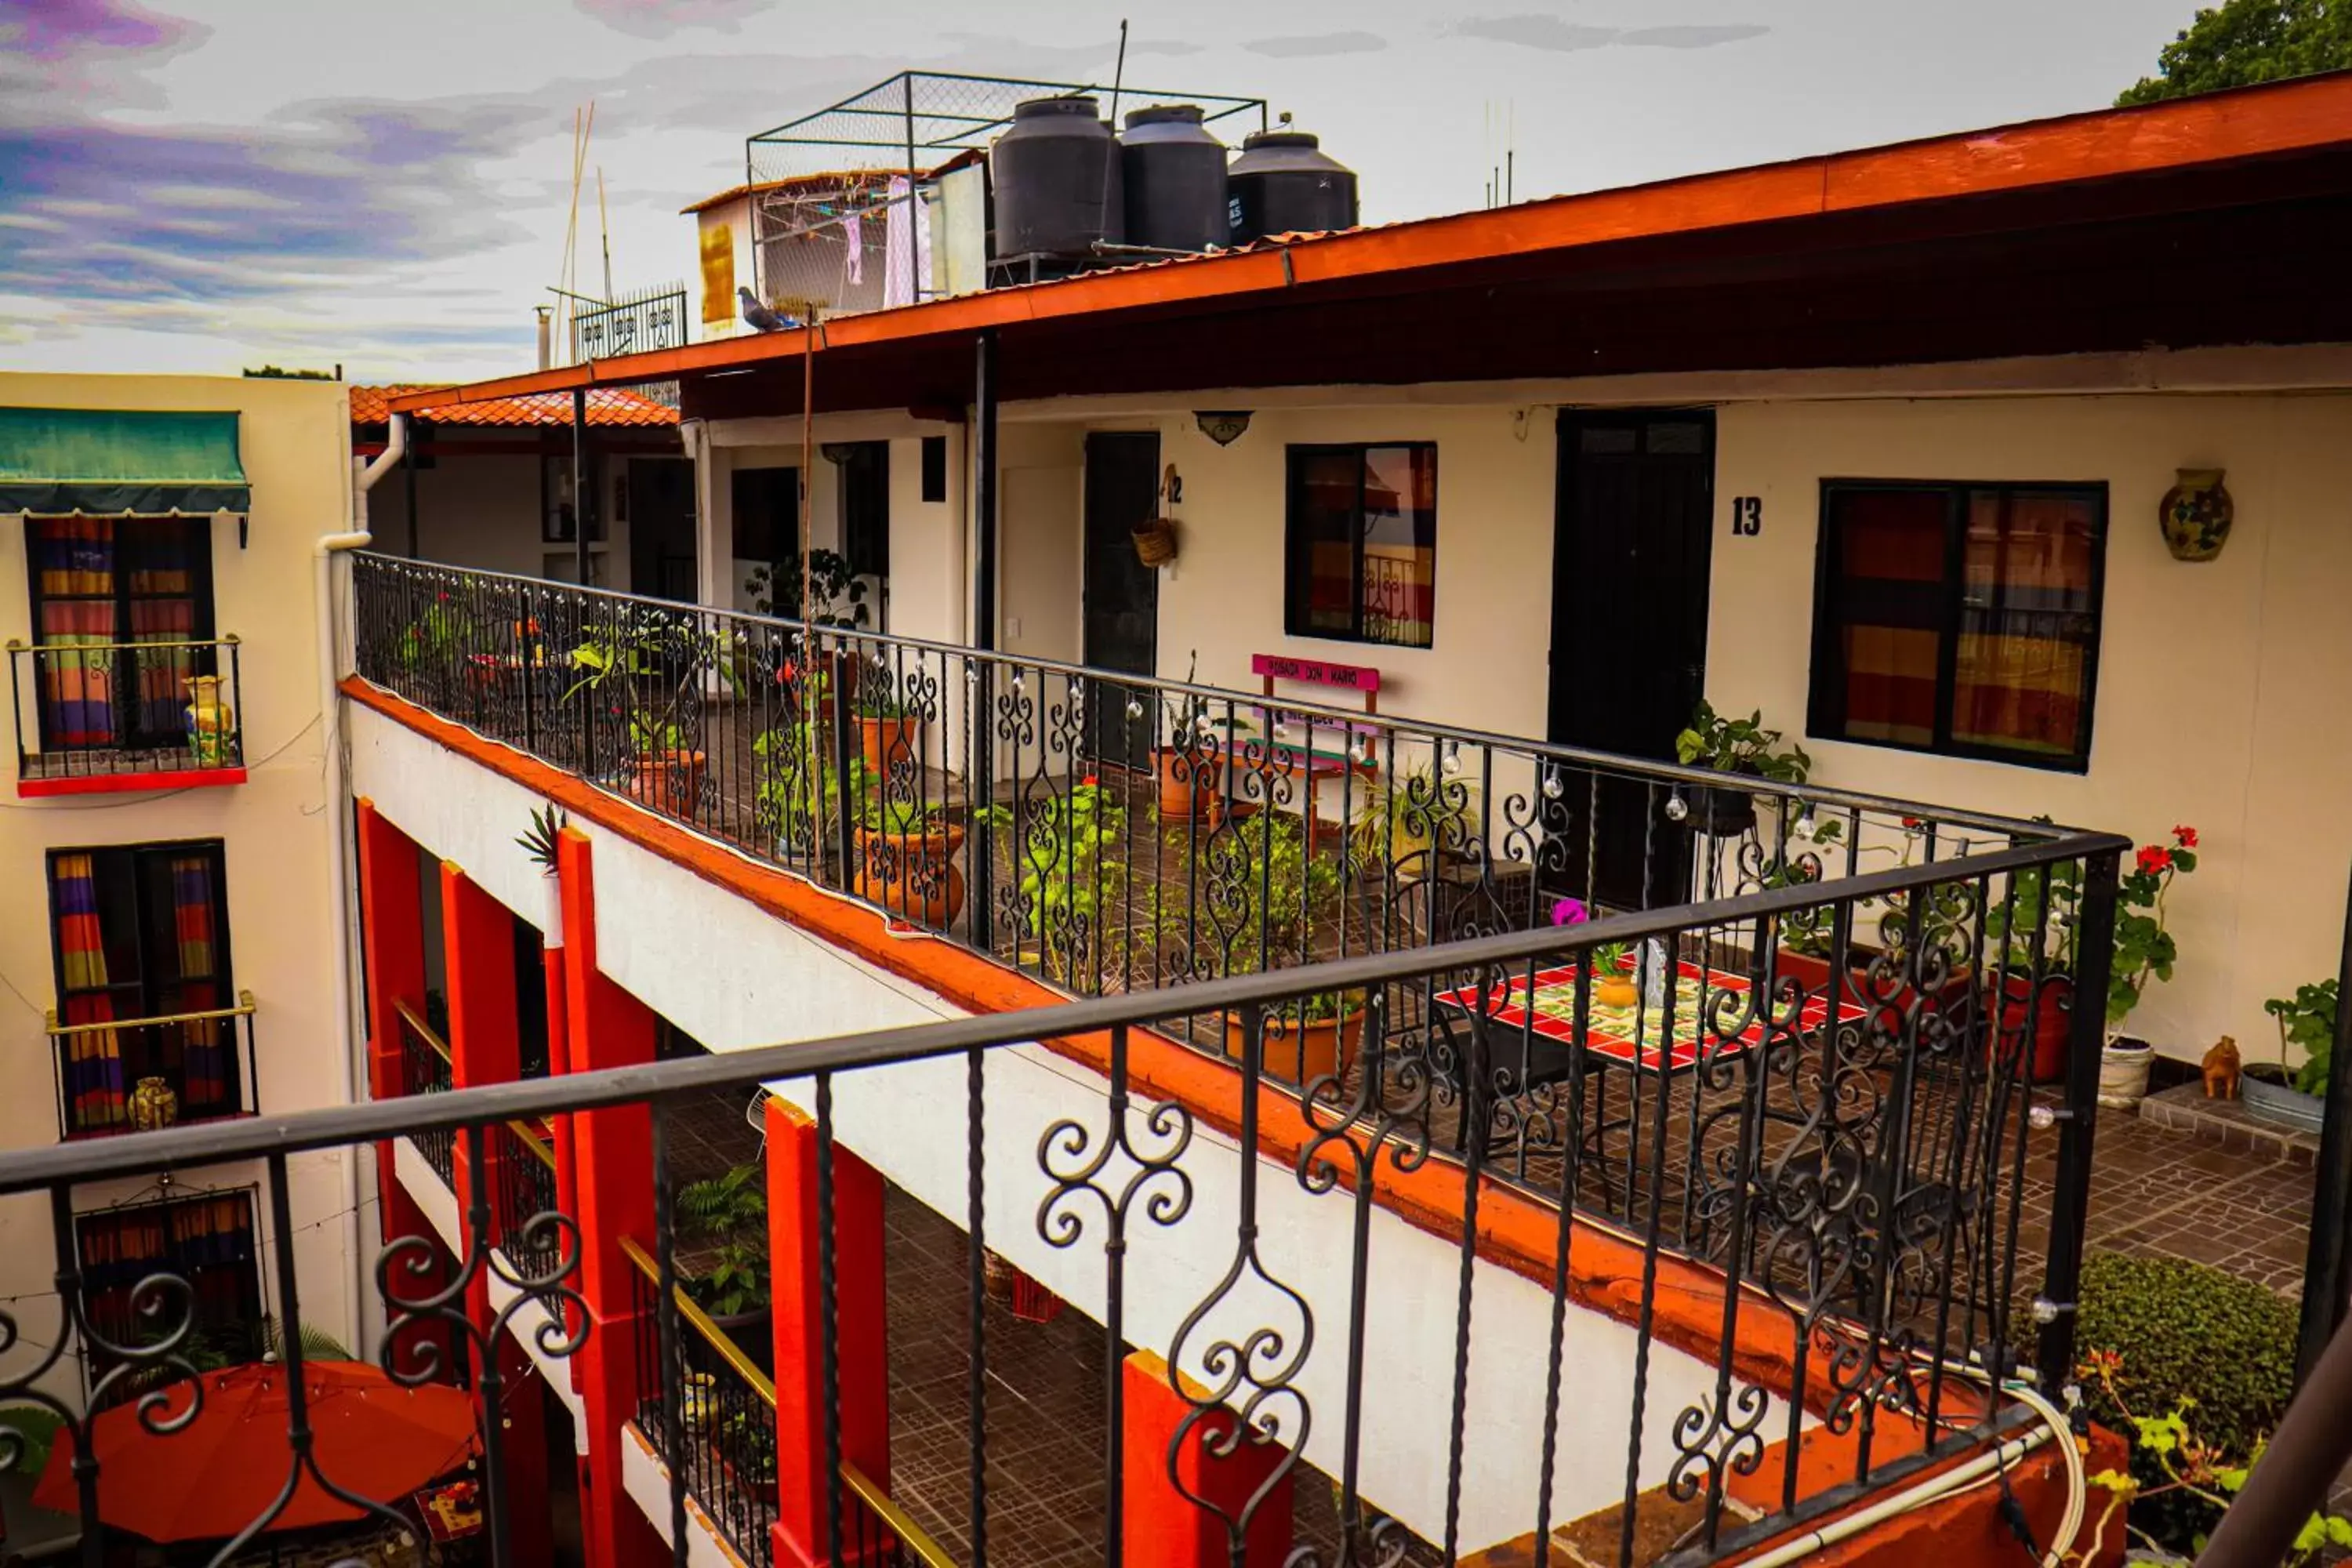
<point x="98" y="710"/>
<point x="138" y="1075"/>
<point x="426" y="1068"/>
<point x="1863" y="1187"/>
<point x="636" y="322"/>
<point x="724" y="1441"/>
<point x="526" y="1167"/>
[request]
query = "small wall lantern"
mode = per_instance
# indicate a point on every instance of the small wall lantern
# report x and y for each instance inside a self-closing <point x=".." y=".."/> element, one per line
<point x="1222" y="426"/>
<point x="2196" y="515"/>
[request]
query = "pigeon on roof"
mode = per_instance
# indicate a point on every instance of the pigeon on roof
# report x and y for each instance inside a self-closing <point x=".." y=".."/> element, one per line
<point x="757" y="315"/>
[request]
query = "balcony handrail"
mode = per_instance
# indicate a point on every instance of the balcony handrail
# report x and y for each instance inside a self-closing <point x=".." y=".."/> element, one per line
<point x="25" y="1169"/>
<point x="531" y="1140"/>
<point x="911" y="1534"/>
<point x="244" y="1009"/>
<point x="17" y="645"/>
<point x="1342" y="718"/>
<point x="423" y="1031"/>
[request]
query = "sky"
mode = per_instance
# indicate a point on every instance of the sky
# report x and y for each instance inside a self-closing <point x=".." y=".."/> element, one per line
<point x="207" y="186"/>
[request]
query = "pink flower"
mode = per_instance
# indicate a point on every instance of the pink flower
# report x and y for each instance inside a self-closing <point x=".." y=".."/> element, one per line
<point x="1569" y="912"/>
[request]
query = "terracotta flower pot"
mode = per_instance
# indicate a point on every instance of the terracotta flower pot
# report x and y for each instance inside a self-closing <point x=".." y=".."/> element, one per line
<point x="912" y="875"/>
<point x="1301" y="1053"/>
<point x="2052" y="1016"/>
<point x="671" y="782"/>
<point x="887" y="741"/>
<point x="1187" y="786"/>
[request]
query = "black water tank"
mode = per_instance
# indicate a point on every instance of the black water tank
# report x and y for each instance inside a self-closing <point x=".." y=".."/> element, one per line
<point x="1284" y="184"/>
<point x="1056" y="178"/>
<point x="1175" y="173"/>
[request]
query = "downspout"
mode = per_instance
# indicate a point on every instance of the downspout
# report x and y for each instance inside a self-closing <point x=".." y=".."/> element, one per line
<point x="364" y="475"/>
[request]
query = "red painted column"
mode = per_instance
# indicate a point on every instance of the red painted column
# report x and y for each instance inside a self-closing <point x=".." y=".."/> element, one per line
<point x="392" y="919"/>
<point x="612" y="1152"/>
<point x="559" y="1061"/>
<point x="1166" y="1529"/>
<point x="861" y="1354"/>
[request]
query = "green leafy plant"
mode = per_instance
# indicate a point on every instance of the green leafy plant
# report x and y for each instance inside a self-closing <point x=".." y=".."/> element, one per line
<point x="893" y="815"/>
<point x="540" y="839"/>
<point x="721" y="1207"/>
<point x="797" y="787"/>
<point x="837" y="593"/>
<point x="1266" y="898"/>
<point x="32" y="1428"/>
<point x="2184" y="1331"/>
<point x="1069" y="855"/>
<point x="736" y="1282"/>
<point x="1415" y="815"/>
<point x="2047" y="900"/>
<point x="2308" y="1020"/>
<point x="317" y="1344"/>
<point x="664" y="646"/>
<point x="2241" y="42"/>
<point x="2187" y="1469"/>
<point x="431" y="635"/>
<point x="652" y="736"/>
<point x="1740" y="746"/>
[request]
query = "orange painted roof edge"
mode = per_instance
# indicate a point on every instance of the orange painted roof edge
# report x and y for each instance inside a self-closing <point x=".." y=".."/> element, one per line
<point x="1605" y="1270"/>
<point x="2216" y="128"/>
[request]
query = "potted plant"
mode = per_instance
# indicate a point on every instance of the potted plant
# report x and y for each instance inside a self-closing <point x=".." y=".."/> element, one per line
<point x="666" y="648"/>
<point x="747" y="1448"/>
<point x="1612" y="983"/>
<point x="1734" y="746"/>
<point x="798" y="789"/>
<point x="836" y="593"/>
<point x="664" y="771"/>
<point x="906" y="860"/>
<point x="1266" y="898"/>
<point x="2296" y="1097"/>
<point x="1067" y="849"/>
<point x="2049" y="899"/>
<point x="1415" y="822"/>
<point x="889" y="731"/>
<point x="1191" y="765"/>
<point x="727" y="1214"/>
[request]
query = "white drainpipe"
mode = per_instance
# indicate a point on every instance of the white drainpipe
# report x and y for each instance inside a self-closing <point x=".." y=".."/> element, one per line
<point x="364" y="475"/>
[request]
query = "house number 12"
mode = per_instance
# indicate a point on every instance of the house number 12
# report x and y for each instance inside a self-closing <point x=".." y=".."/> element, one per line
<point x="1747" y="516"/>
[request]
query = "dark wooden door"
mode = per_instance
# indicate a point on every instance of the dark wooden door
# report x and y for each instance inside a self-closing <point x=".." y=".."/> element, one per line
<point x="1634" y="525"/>
<point x="661" y="529"/>
<point x="1122" y="594"/>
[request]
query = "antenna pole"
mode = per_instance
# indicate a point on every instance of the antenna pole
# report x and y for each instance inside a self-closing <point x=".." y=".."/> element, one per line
<point x="1118" y="76"/>
<point x="605" y="233"/>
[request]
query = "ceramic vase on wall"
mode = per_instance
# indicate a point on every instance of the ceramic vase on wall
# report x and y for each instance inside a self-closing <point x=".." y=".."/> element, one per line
<point x="153" y="1105"/>
<point x="2196" y="515"/>
<point x="211" y="721"/>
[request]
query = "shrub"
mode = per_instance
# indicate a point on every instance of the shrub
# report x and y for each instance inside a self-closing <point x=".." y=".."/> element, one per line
<point x="2185" y="1330"/>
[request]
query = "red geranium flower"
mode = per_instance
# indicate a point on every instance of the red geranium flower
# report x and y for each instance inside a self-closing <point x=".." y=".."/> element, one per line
<point x="1090" y="781"/>
<point x="1911" y="824"/>
<point x="2187" y="837"/>
<point x="2156" y="857"/>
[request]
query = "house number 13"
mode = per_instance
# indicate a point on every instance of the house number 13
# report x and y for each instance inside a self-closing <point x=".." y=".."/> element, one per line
<point x="1747" y="516"/>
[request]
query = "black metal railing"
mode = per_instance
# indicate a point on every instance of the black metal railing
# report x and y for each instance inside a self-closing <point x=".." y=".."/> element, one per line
<point x="637" y="322"/>
<point x="1849" y="1174"/>
<point x="724" y="1442"/>
<point x="526" y="1167"/>
<point x="426" y="1068"/>
<point x="98" y="709"/>
<point x="138" y="1075"/>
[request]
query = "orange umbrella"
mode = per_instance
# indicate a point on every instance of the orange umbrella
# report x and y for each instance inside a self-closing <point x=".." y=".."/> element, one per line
<point x="213" y="1477"/>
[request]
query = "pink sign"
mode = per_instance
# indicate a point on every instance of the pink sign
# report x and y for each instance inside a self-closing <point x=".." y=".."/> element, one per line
<point x="1315" y="672"/>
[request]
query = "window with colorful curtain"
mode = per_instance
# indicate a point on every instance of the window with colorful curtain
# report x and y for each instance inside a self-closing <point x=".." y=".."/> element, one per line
<point x="140" y="934"/>
<point x="117" y="597"/>
<point x="1362" y="543"/>
<point x="1961" y="618"/>
<point x="207" y="1240"/>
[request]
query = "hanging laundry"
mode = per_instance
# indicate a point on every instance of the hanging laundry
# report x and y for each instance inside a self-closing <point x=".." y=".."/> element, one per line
<point x="853" y="239"/>
<point x="898" y="246"/>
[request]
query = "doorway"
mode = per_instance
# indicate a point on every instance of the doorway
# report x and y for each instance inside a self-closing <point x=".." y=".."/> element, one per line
<point x="1121" y="594"/>
<point x="661" y="528"/>
<point x="1635" y="522"/>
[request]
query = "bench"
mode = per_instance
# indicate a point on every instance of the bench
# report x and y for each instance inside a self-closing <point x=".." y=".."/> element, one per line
<point x="1313" y="753"/>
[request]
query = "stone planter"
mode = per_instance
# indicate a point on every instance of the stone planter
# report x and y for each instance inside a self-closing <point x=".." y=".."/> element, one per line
<point x="2123" y="1062"/>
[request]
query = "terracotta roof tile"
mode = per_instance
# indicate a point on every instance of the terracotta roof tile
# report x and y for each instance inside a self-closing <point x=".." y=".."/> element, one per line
<point x="606" y="406"/>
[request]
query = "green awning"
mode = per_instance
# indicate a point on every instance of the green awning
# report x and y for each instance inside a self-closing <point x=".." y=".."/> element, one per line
<point x="110" y="461"/>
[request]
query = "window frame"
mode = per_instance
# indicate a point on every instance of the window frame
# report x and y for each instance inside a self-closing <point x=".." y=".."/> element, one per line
<point x="123" y="663"/>
<point x="1296" y="578"/>
<point x="1826" y="686"/>
<point x="224" y="944"/>
<point x="258" y="1272"/>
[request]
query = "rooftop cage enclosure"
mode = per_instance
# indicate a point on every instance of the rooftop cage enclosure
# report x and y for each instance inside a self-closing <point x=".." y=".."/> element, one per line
<point x="845" y="201"/>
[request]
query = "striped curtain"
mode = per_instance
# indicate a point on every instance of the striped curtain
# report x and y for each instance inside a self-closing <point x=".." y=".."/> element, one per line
<point x="73" y="567"/>
<point x="94" y="1086"/>
<point x="162" y="611"/>
<point x="204" y="1046"/>
<point x="207" y="1241"/>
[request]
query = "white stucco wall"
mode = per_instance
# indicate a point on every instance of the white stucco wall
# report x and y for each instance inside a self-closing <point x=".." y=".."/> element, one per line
<point x="294" y="442"/>
<point x="2222" y="686"/>
<point x="483" y="510"/>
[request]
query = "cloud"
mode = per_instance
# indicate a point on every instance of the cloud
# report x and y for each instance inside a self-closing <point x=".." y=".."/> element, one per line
<point x="660" y="19"/>
<point x="53" y="30"/>
<point x="1555" y="36"/>
<point x="65" y="55"/>
<point x="1314" y="46"/>
<point x="1691" y="37"/>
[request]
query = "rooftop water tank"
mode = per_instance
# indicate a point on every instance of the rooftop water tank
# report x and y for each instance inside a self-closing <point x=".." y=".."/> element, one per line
<point x="1284" y="183"/>
<point x="1175" y="174"/>
<point x="1056" y="178"/>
